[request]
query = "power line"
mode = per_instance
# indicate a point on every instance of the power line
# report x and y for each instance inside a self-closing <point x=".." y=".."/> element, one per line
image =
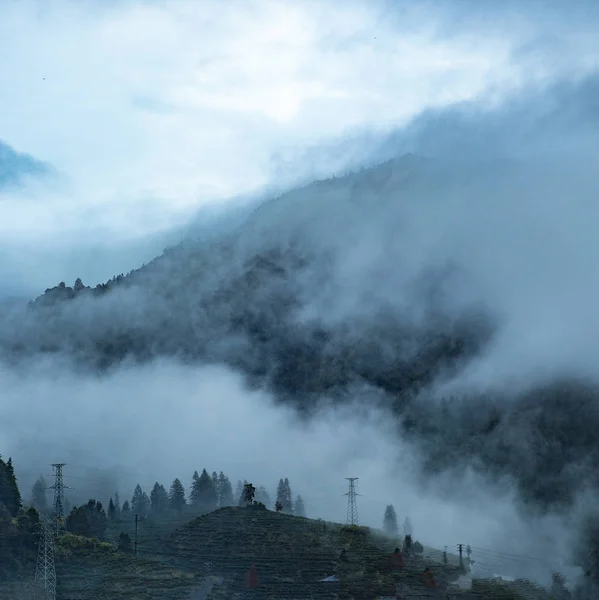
<point x="352" y="507"/>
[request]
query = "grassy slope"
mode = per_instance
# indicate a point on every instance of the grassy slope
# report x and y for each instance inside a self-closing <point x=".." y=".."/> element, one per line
<point x="87" y="569"/>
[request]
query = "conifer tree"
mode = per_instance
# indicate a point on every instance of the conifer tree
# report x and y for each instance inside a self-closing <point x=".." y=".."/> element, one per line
<point x="226" y="490"/>
<point x="300" y="509"/>
<point x="39" y="498"/>
<point x="407" y="545"/>
<point x="239" y="492"/>
<point x="10" y="495"/>
<point x="111" y="513"/>
<point x="194" y="492"/>
<point x="140" y="503"/>
<point x="390" y="522"/>
<point x="263" y="496"/>
<point x="281" y="494"/>
<point x="203" y="493"/>
<point x="284" y="495"/>
<point x="88" y="520"/>
<point x="117" y="503"/>
<point x="126" y="511"/>
<point x="158" y="500"/>
<point x="177" y="496"/>
<point x="216" y="486"/>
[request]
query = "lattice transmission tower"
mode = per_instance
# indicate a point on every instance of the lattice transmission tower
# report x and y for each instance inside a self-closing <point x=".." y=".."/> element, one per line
<point x="58" y="524"/>
<point x="45" y="573"/>
<point x="352" y="507"/>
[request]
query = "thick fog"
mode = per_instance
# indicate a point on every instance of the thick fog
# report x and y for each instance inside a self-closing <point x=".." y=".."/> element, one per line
<point x="431" y="319"/>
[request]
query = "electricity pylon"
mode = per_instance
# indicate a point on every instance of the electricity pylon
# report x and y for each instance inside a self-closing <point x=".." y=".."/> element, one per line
<point x="58" y="525"/>
<point x="45" y="573"/>
<point x="352" y="507"/>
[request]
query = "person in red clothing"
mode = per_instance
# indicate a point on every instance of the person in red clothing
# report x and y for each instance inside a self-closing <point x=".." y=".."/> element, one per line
<point x="251" y="579"/>
<point x="396" y="560"/>
<point x="428" y="579"/>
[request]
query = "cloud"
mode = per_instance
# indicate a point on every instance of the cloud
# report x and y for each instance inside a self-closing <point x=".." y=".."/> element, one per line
<point x="16" y="166"/>
<point x="165" y="420"/>
<point x="154" y="110"/>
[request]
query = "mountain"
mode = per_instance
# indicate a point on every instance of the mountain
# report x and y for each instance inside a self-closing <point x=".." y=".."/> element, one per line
<point x="259" y="299"/>
<point x="335" y="292"/>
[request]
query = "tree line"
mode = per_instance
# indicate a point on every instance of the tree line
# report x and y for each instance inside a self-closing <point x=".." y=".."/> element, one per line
<point x="205" y="494"/>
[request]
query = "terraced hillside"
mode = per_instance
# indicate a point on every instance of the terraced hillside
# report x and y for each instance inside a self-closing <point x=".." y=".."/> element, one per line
<point x="87" y="569"/>
<point x="292" y="555"/>
<point x="211" y="557"/>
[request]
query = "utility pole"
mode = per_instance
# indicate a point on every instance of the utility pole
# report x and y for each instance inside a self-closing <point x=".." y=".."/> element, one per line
<point x="135" y="545"/>
<point x="461" y="549"/>
<point x="59" y="526"/>
<point x="352" y="508"/>
<point x="45" y="573"/>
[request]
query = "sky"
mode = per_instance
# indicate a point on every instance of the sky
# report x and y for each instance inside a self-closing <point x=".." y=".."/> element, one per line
<point x="152" y="110"/>
<point x="152" y="113"/>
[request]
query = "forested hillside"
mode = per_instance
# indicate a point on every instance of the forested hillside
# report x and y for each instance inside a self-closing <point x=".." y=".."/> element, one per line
<point x="205" y="542"/>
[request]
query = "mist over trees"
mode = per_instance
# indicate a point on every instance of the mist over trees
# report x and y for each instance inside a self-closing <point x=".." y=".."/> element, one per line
<point x="288" y="302"/>
<point x="39" y="498"/>
<point x="390" y="522"/>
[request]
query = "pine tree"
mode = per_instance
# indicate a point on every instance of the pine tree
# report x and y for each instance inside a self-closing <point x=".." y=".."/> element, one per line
<point x="239" y="492"/>
<point x="111" y="510"/>
<point x="88" y="520"/>
<point x="288" y="496"/>
<point x="281" y="494"/>
<point x="195" y="492"/>
<point x="126" y="511"/>
<point x="284" y="495"/>
<point x="177" y="496"/>
<point x="390" y="522"/>
<point x="203" y="493"/>
<point x="158" y="500"/>
<point x="263" y="496"/>
<point x="140" y="503"/>
<point x="208" y="498"/>
<point x="300" y="509"/>
<point x="117" y="503"/>
<point x="10" y="495"/>
<point x="226" y="490"/>
<point x="39" y="498"/>
<point x="216" y="486"/>
<point x="407" y="545"/>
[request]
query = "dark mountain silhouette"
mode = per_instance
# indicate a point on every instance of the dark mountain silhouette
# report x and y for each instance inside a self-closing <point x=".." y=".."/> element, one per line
<point x="286" y="299"/>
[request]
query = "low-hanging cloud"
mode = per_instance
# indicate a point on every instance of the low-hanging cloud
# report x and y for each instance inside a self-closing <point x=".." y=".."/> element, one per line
<point x="164" y="420"/>
<point x="464" y="269"/>
<point x="148" y="119"/>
